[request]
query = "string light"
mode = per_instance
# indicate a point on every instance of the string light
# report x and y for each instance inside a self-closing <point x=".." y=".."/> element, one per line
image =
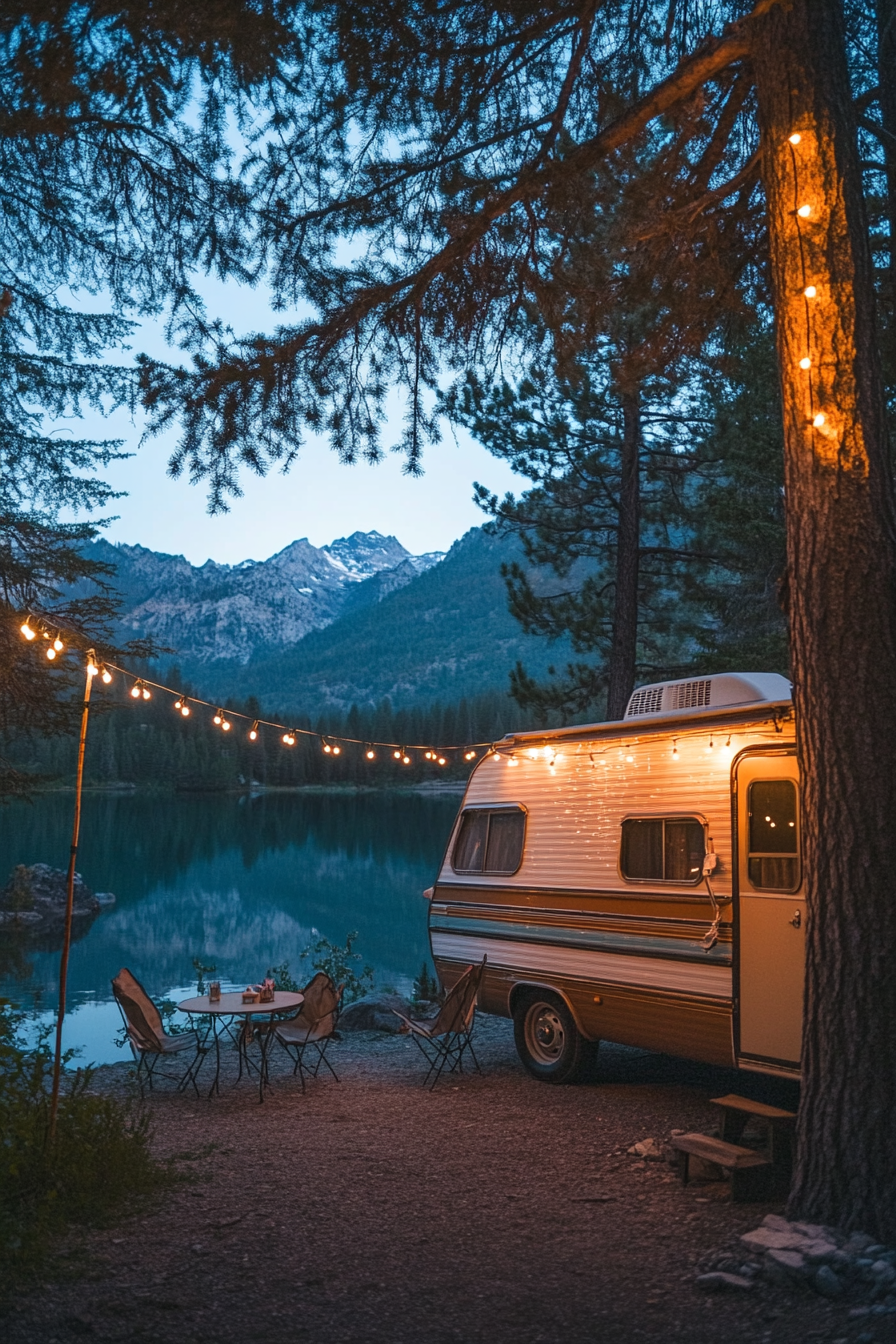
<point x="804" y="211"/>
<point x="140" y="690"/>
<point x="795" y="138"/>
<point x="805" y="362"/>
<point x="810" y="291"/>
<point x="819" y="420"/>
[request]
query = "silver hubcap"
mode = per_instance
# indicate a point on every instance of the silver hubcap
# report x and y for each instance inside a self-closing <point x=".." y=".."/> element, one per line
<point x="545" y="1034"/>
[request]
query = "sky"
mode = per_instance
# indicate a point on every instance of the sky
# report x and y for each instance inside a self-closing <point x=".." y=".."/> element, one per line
<point x="319" y="498"/>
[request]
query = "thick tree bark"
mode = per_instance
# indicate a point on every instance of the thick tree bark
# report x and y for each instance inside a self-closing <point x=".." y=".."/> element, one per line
<point x="624" y="645"/>
<point x="841" y="540"/>
<point x="886" y="66"/>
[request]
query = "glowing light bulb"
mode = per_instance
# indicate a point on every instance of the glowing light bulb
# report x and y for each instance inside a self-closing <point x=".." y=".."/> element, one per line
<point x="135" y="692"/>
<point x="92" y="669"/>
<point x="371" y="755"/>
<point x="442" y="761"/>
<point x="795" y="138"/>
<point x="27" y="631"/>
<point x="810" y="291"/>
<point x="218" y="719"/>
<point x="405" y="760"/>
<point x="178" y="704"/>
<point x="185" y="710"/>
<point x="145" y="692"/>
<point x="336" y="751"/>
<point x="513" y="761"/>
<point x="107" y="675"/>
<point x="253" y="731"/>
<point x="805" y="362"/>
<point x="327" y="748"/>
<point x="804" y="211"/>
<point x="397" y="755"/>
<point x="289" y="739"/>
<point x="51" y="653"/>
<point x="629" y="759"/>
<point x="58" y="644"/>
<point x="225" y="727"/>
<point x="428" y="755"/>
<point x="819" y="420"/>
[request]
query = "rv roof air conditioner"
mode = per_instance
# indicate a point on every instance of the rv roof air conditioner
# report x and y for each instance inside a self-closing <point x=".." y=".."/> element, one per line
<point x="695" y="693"/>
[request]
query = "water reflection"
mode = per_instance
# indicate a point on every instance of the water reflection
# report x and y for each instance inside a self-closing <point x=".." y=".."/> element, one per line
<point x="241" y="882"/>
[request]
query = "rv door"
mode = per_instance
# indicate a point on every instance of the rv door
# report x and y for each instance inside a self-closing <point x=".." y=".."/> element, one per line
<point x="771" y="911"/>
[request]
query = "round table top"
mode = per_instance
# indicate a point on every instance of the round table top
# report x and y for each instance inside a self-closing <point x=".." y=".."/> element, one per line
<point x="233" y="1003"/>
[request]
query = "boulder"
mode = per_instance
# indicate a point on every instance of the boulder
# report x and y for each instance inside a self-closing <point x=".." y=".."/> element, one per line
<point x="35" y="898"/>
<point x="375" y="1013"/>
<point x="785" y="1266"/>
<point x="825" y="1281"/>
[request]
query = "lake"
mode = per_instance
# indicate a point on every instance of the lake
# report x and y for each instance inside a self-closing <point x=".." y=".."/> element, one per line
<point x="241" y="882"/>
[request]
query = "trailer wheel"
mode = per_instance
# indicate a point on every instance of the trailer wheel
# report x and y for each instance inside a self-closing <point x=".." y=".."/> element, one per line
<point x="548" y="1041"/>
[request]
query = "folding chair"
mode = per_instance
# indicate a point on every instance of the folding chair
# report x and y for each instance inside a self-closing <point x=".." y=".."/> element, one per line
<point x="313" y="1027"/>
<point x="445" y="1039"/>
<point x="147" y="1038"/>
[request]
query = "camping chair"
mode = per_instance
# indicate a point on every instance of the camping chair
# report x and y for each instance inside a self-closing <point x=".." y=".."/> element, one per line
<point x="147" y="1038"/>
<point x="444" y="1039"/>
<point x="313" y="1027"/>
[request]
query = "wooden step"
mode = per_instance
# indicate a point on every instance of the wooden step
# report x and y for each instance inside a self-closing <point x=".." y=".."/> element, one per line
<point x="753" y="1176"/>
<point x="743" y="1104"/>
<point x="727" y="1155"/>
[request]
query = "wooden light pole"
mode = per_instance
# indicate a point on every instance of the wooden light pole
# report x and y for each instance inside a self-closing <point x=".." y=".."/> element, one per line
<point x="70" y="897"/>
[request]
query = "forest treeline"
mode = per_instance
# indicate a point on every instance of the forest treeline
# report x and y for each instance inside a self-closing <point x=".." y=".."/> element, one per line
<point x="148" y="743"/>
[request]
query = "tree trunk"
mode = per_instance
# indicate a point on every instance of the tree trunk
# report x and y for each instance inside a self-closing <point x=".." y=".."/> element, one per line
<point x="624" y="645"/>
<point x="886" y="68"/>
<point x="841" y="547"/>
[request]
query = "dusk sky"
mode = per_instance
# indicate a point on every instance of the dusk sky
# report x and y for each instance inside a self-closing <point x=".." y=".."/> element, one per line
<point x="320" y="498"/>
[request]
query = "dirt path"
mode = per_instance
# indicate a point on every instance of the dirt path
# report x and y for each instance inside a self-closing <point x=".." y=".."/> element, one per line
<point x="495" y="1210"/>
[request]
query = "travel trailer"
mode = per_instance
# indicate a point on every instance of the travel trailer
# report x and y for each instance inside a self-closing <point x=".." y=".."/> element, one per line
<point x="637" y="881"/>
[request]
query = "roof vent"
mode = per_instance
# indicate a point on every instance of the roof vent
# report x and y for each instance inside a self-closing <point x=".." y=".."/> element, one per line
<point x="726" y="689"/>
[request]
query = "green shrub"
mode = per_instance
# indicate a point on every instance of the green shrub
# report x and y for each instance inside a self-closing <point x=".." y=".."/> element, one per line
<point x="339" y="962"/>
<point x="99" y="1167"/>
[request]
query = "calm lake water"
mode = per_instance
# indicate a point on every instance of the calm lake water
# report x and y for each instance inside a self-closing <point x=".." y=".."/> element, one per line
<point x="244" y="883"/>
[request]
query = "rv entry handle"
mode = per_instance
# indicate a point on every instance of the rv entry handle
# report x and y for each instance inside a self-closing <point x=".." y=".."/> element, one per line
<point x="797" y="919"/>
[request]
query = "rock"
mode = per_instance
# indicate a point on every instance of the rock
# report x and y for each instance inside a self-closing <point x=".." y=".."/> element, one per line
<point x="825" y="1281"/>
<point x="776" y="1222"/>
<point x="374" y="1013"/>
<point x="770" y="1239"/>
<point x="649" y="1149"/>
<point x="875" y="1251"/>
<point x="719" y="1282"/>
<point x="36" y="896"/>
<point x="782" y="1266"/>
<point x="857" y="1243"/>
<point x="883" y="1271"/>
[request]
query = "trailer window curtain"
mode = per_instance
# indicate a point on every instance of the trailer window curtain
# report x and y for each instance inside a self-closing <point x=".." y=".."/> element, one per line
<point x="662" y="849"/>
<point x="490" y="841"/>
<point x="773" y="856"/>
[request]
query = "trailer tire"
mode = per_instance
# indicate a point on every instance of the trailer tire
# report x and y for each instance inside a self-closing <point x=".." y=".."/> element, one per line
<point x="548" y="1041"/>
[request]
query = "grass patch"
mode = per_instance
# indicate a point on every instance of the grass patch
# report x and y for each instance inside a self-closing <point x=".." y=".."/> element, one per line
<point x="99" y="1169"/>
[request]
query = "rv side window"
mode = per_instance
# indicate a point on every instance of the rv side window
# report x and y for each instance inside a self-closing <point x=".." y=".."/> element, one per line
<point x="490" y="841"/>
<point x="662" y="849"/>
<point x="773" y="856"/>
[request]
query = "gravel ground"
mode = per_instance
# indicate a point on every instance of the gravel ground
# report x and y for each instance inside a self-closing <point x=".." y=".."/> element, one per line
<point x="495" y="1209"/>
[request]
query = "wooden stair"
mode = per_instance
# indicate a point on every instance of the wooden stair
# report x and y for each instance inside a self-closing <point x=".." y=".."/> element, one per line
<point x="754" y="1175"/>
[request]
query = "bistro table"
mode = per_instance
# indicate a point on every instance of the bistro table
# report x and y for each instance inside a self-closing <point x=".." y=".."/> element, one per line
<point x="230" y="1009"/>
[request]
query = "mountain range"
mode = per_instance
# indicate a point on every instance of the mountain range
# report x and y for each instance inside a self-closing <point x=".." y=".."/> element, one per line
<point x="314" y="629"/>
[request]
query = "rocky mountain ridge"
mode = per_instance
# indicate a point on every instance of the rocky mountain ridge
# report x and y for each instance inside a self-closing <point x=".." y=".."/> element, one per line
<point x="213" y="612"/>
